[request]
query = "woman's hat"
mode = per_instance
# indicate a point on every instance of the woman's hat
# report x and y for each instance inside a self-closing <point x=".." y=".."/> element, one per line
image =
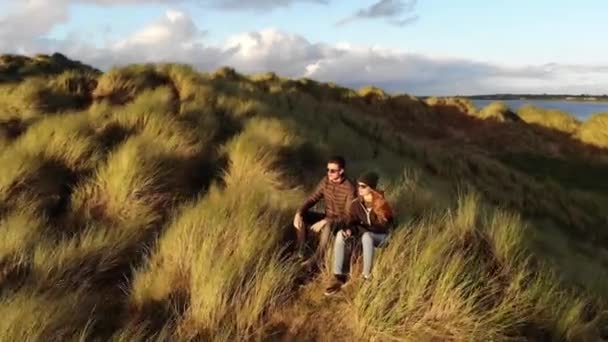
<point x="369" y="178"/>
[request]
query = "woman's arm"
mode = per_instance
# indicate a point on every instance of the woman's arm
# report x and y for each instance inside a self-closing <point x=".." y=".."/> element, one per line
<point x="353" y="221"/>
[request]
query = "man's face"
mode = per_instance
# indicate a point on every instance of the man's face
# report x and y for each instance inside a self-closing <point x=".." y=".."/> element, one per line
<point x="334" y="172"/>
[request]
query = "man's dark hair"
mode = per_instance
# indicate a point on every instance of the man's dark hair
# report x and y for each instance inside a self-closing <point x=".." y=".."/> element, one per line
<point x="337" y="160"/>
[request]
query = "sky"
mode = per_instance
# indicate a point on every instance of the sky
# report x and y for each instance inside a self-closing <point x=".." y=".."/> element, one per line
<point x="424" y="47"/>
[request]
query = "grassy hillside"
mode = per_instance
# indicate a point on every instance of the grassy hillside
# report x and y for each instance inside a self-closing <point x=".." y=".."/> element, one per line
<point x="154" y="202"/>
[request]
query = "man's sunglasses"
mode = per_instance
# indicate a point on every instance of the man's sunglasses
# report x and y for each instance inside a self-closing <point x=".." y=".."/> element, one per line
<point x="333" y="170"/>
<point x="363" y="186"/>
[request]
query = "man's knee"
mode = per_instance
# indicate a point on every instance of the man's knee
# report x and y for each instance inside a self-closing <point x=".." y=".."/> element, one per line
<point x="320" y="226"/>
<point x="326" y="227"/>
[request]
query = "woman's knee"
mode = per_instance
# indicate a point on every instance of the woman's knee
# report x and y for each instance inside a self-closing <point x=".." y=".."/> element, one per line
<point x="366" y="239"/>
<point x="340" y="238"/>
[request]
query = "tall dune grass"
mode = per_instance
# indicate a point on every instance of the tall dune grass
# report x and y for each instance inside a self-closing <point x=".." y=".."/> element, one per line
<point x="31" y="317"/>
<point x="67" y="139"/>
<point x="20" y="230"/>
<point x="37" y="96"/>
<point x="41" y="164"/>
<point x="120" y="85"/>
<point x="465" y="275"/>
<point x="224" y="250"/>
<point x="22" y="100"/>
<point x="132" y="185"/>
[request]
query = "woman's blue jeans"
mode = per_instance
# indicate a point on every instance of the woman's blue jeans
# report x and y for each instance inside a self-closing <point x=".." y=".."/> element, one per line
<point x="369" y="241"/>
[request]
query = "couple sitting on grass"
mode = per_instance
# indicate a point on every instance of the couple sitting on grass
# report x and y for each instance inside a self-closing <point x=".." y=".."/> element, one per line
<point x="350" y="213"/>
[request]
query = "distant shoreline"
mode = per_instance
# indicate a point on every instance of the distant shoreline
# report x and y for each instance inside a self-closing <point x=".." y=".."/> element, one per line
<point x="582" y="107"/>
<point x="524" y="97"/>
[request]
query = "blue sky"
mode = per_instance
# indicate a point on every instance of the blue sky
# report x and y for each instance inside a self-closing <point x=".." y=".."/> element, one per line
<point x="478" y="46"/>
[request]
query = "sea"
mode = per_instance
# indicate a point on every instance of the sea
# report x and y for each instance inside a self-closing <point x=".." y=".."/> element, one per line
<point x="580" y="109"/>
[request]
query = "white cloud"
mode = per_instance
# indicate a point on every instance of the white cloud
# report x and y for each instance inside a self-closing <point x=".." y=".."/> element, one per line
<point x="173" y="38"/>
<point x="176" y="37"/>
<point x="24" y="21"/>
<point x="176" y="28"/>
<point x="255" y="5"/>
<point x="271" y="49"/>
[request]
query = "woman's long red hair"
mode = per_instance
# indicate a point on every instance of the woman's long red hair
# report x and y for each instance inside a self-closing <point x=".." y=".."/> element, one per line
<point x="381" y="207"/>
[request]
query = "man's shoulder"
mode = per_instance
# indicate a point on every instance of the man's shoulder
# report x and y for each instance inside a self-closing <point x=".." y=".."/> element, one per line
<point x="323" y="181"/>
<point x="348" y="182"/>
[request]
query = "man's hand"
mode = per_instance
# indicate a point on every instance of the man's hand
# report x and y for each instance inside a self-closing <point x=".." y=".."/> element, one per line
<point x="298" y="221"/>
<point x="317" y="227"/>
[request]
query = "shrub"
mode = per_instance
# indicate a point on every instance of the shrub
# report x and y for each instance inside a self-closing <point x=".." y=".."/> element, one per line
<point x="498" y="111"/>
<point x="461" y="105"/>
<point x="595" y="130"/>
<point x="226" y="73"/>
<point x="550" y="118"/>
<point x="373" y="94"/>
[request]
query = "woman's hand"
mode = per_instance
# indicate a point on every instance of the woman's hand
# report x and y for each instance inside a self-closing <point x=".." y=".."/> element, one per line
<point x="347" y="233"/>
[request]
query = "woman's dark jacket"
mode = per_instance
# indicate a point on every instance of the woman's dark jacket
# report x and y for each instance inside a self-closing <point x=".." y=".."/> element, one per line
<point x="360" y="221"/>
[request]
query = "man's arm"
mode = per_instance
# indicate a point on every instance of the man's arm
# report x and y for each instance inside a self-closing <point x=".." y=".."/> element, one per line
<point x="344" y="221"/>
<point x="352" y="220"/>
<point x="314" y="197"/>
<point x="352" y="194"/>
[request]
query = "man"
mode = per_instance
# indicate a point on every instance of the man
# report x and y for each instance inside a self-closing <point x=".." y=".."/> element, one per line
<point x="337" y="192"/>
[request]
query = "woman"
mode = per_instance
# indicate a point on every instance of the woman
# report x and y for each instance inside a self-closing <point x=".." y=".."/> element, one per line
<point x="370" y="218"/>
